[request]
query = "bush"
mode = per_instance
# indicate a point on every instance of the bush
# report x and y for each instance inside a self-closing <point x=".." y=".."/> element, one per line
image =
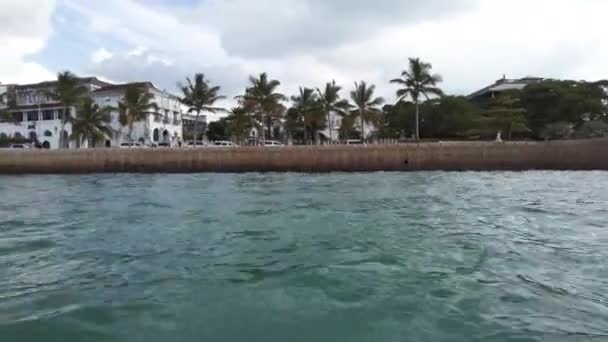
<point x="557" y="130"/>
<point x="592" y="129"/>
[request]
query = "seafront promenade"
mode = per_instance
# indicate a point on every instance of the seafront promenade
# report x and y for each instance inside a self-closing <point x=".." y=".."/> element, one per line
<point x="449" y="156"/>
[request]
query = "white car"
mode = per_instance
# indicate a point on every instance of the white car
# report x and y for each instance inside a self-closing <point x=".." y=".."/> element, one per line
<point x="272" y="143"/>
<point x="199" y="144"/>
<point x="224" y="144"/>
<point x="131" y="145"/>
<point x="354" y="142"/>
<point x="20" y="146"/>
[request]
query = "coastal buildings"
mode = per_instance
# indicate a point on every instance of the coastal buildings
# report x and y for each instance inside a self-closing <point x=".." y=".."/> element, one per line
<point x="36" y="117"/>
<point x="501" y="86"/>
<point x="163" y="126"/>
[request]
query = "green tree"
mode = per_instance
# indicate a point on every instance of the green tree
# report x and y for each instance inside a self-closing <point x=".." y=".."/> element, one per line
<point x="417" y="82"/>
<point x="305" y="111"/>
<point x="69" y="92"/>
<point x="91" y="123"/>
<point x="264" y="102"/>
<point x="503" y="114"/>
<point x="200" y="97"/>
<point x="366" y="105"/>
<point x="447" y="117"/>
<point x="347" y="127"/>
<point x="136" y="105"/>
<point x="572" y="102"/>
<point x="329" y="99"/>
<point x="239" y="124"/>
<point x="217" y="130"/>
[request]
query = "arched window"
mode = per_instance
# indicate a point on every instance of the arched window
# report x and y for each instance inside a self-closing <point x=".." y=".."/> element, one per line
<point x="156" y="135"/>
<point x="48" y="133"/>
<point x="18" y="135"/>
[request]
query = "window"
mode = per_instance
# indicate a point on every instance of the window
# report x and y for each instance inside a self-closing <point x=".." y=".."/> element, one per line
<point x="60" y="114"/>
<point x="48" y="133"/>
<point x="167" y="116"/>
<point x="157" y="117"/>
<point x="18" y="117"/>
<point x="32" y="116"/>
<point x="155" y="135"/>
<point x="48" y="114"/>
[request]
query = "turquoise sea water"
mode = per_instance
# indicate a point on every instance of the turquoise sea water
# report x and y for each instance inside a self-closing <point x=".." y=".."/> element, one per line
<point x="291" y="257"/>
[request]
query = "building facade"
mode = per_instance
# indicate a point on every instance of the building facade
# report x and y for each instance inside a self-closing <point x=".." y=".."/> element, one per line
<point x="502" y="86"/>
<point x="36" y="117"/>
<point x="164" y="125"/>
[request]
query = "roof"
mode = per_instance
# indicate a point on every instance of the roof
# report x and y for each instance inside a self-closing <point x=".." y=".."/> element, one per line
<point x="48" y="84"/>
<point x="122" y="87"/>
<point x="505" y="84"/>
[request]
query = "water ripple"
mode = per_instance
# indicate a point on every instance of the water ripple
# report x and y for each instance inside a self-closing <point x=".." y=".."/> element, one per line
<point x="341" y="257"/>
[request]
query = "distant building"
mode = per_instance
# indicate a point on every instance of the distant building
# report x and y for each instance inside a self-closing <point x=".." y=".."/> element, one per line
<point x="162" y="126"/>
<point x="36" y="117"/>
<point x="189" y="123"/>
<point x="501" y="86"/>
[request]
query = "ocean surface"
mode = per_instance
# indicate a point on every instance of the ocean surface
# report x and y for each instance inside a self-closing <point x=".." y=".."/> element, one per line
<point x="292" y="257"/>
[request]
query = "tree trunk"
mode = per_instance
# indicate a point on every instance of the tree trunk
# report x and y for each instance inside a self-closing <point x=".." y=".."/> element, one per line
<point x="196" y="128"/>
<point x="130" y="132"/>
<point x="263" y="135"/>
<point x="61" y="134"/>
<point x="362" y="126"/>
<point x="329" y="125"/>
<point x="417" y="121"/>
<point x="305" y="135"/>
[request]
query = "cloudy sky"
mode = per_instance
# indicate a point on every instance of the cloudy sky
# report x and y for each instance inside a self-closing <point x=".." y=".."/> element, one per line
<point x="303" y="42"/>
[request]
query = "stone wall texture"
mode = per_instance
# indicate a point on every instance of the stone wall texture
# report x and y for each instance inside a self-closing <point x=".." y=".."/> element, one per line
<point x="448" y="156"/>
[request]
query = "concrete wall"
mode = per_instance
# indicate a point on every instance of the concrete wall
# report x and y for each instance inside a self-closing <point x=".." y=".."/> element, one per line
<point x="561" y="155"/>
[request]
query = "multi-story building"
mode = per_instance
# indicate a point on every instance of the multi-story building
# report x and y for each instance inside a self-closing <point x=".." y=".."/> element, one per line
<point x="37" y="117"/>
<point x="164" y="125"/>
<point x="501" y="86"/>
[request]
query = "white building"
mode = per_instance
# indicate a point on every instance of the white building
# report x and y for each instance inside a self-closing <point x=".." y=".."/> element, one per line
<point x="35" y="116"/>
<point x="162" y="126"/>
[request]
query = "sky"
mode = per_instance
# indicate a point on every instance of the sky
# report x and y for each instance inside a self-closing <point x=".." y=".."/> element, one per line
<point x="471" y="43"/>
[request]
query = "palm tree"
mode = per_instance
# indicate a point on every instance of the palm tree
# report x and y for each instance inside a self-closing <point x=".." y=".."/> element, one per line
<point x="68" y="92"/>
<point x="136" y="106"/>
<point x="366" y="106"/>
<point x="330" y="102"/>
<point x="416" y="82"/>
<point x="239" y="124"/>
<point x="200" y="97"/>
<point x="305" y="104"/>
<point x="262" y="99"/>
<point x="91" y="123"/>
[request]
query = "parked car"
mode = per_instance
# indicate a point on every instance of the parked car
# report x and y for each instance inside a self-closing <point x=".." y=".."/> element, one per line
<point x="199" y="144"/>
<point x="224" y="144"/>
<point x="20" y="146"/>
<point x="354" y="142"/>
<point x="272" y="143"/>
<point x="163" y="145"/>
<point x="132" y="145"/>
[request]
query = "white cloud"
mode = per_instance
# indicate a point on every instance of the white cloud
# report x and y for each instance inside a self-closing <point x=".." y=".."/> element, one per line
<point x="101" y="55"/>
<point x="309" y="42"/>
<point x="24" y="31"/>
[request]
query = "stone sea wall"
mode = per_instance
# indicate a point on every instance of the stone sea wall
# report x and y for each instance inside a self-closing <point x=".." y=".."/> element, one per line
<point x="448" y="156"/>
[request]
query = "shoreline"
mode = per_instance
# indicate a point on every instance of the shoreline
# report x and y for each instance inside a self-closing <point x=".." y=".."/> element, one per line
<point x="440" y="156"/>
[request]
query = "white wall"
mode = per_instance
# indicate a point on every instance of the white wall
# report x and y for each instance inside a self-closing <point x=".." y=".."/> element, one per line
<point x="169" y="108"/>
